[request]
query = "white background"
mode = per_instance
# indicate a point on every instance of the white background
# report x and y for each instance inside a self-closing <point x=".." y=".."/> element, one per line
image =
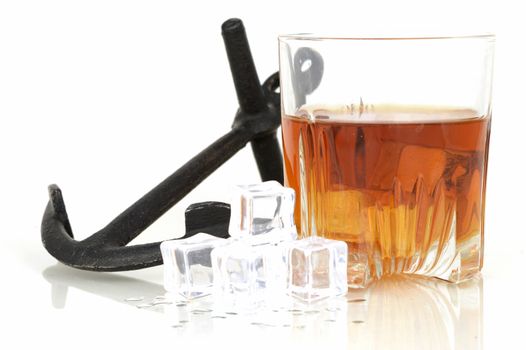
<point x="107" y="98"/>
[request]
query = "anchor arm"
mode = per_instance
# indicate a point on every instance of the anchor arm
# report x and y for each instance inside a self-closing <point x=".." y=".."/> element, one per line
<point x="256" y="121"/>
<point x="57" y="235"/>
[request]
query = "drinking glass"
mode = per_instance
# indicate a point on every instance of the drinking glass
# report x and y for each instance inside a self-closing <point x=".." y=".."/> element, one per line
<point x="386" y="144"/>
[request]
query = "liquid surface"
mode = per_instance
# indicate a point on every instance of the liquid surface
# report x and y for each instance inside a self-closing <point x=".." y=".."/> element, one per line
<point x="406" y="197"/>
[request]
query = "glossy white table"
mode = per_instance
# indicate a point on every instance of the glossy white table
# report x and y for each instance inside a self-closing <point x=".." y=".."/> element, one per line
<point x="48" y="304"/>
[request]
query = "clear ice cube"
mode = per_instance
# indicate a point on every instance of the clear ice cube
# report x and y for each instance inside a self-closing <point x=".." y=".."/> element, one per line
<point x="248" y="273"/>
<point x="263" y="211"/>
<point x="316" y="268"/>
<point x="428" y="162"/>
<point x="187" y="264"/>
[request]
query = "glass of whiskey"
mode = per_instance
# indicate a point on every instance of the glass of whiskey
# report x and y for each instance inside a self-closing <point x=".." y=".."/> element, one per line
<point x="386" y="144"/>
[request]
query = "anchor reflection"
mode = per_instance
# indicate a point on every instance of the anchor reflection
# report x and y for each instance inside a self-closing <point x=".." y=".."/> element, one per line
<point x="111" y="286"/>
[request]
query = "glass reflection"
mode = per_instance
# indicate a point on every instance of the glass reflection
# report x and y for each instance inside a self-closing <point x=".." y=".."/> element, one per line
<point x="413" y="313"/>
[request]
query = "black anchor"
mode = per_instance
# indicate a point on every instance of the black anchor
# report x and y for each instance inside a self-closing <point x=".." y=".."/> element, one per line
<point x="256" y="122"/>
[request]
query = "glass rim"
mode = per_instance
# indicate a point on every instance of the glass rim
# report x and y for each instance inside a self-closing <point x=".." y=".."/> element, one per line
<point x="490" y="37"/>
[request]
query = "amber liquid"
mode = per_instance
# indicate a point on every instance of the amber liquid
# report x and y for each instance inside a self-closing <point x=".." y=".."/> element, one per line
<point x="407" y="196"/>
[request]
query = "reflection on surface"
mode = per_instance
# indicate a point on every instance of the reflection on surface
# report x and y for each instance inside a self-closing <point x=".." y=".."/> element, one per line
<point x="416" y="313"/>
<point x="394" y="313"/>
<point x="111" y="286"/>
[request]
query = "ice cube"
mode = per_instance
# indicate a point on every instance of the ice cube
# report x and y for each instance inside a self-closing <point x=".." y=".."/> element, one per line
<point x="316" y="268"/>
<point x="248" y="273"/>
<point x="264" y="212"/>
<point x="187" y="264"/>
<point x="384" y="169"/>
<point x="415" y="161"/>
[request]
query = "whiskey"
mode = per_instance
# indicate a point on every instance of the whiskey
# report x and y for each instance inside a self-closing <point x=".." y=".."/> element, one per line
<point x="403" y="186"/>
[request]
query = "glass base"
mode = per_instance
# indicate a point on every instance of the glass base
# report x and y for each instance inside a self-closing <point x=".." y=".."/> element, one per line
<point x="451" y="262"/>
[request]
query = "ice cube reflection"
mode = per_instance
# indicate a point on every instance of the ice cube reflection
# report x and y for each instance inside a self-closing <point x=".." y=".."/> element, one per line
<point x="396" y="312"/>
